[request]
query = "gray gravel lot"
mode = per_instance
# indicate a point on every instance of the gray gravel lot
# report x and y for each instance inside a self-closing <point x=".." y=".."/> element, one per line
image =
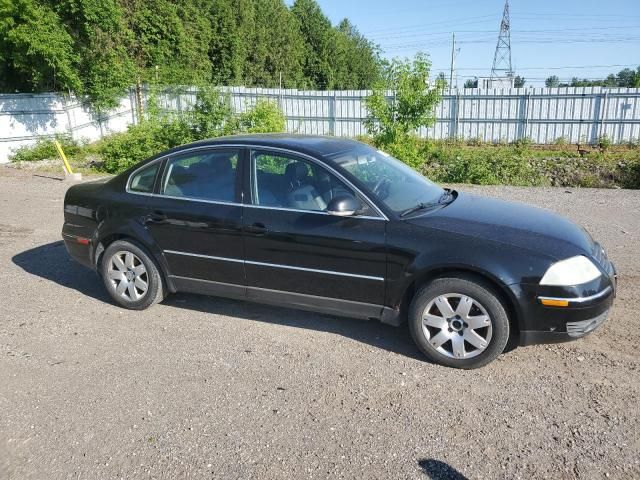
<point x="200" y="387"/>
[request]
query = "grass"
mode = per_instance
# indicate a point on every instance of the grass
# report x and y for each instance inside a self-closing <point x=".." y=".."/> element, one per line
<point x="447" y="161"/>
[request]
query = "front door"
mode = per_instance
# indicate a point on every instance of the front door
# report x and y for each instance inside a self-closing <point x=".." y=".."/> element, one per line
<point x="196" y="219"/>
<point x="298" y="253"/>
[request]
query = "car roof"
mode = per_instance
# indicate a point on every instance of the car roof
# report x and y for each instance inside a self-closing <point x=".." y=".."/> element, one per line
<point x="314" y="145"/>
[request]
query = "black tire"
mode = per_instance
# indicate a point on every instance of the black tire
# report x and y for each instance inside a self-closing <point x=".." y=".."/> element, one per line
<point x="481" y="292"/>
<point x="155" y="291"/>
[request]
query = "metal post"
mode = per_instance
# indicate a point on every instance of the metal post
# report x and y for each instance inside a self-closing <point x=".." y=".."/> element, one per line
<point x="524" y="116"/>
<point x="603" y="112"/>
<point x="66" y="109"/>
<point x="454" y="114"/>
<point x="334" y="104"/>
<point x="453" y="61"/>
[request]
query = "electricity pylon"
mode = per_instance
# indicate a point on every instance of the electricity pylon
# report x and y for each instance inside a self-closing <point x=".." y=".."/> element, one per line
<point x="501" y="72"/>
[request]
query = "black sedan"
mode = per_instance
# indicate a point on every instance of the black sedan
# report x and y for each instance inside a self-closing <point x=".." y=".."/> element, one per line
<point x="336" y="226"/>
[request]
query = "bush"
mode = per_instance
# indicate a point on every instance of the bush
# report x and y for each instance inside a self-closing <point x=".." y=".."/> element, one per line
<point x="210" y="118"/>
<point x="413" y="104"/>
<point x="523" y="142"/>
<point x="449" y="162"/>
<point x="604" y="142"/>
<point x="45" y="149"/>
<point x="122" y="150"/>
<point x="482" y="166"/>
<point x="210" y="114"/>
<point x="263" y="117"/>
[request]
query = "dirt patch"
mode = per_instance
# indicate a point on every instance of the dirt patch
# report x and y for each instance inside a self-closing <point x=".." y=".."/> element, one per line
<point x="200" y="387"/>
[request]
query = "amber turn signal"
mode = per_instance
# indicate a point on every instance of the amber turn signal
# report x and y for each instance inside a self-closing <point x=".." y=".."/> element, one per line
<point x="550" y="302"/>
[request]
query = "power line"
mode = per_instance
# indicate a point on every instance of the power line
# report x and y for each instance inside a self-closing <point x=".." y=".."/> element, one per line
<point x="458" y="21"/>
<point x="564" y="30"/>
<point x="518" y="41"/>
<point x="578" y="67"/>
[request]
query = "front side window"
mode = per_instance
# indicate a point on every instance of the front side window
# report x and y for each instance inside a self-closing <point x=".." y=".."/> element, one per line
<point x="392" y="182"/>
<point x="290" y="182"/>
<point x="143" y="180"/>
<point x="207" y="175"/>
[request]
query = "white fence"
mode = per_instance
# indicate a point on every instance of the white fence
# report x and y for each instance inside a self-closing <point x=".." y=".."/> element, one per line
<point x="579" y="115"/>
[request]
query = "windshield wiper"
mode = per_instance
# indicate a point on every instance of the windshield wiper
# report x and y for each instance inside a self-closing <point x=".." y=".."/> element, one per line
<point x="423" y="206"/>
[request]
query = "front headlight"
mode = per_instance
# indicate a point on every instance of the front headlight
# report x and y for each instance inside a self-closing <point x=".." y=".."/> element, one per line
<point x="572" y="271"/>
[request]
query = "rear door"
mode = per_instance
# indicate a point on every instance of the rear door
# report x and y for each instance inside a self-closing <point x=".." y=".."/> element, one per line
<point x="298" y="253"/>
<point x="196" y="218"/>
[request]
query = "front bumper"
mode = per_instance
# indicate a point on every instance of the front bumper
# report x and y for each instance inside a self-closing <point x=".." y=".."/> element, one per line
<point x="574" y="330"/>
<point x="577" y="312"/>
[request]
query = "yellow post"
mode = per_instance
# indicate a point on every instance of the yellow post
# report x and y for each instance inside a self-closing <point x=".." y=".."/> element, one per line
<point x="63" y="156"/>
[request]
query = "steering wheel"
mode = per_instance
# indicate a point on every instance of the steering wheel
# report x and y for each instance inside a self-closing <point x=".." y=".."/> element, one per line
<point x="381" y="188"/>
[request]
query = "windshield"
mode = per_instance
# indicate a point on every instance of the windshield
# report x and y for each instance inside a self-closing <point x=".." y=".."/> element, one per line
<point x="392" y="182"/>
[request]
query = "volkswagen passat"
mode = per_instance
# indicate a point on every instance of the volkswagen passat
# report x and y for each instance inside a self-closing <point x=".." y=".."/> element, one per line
<point x="335" y="226"/>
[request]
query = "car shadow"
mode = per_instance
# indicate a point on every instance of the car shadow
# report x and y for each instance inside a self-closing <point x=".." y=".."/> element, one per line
<point x="52" y="263"/>
<point x="437" y="470"/>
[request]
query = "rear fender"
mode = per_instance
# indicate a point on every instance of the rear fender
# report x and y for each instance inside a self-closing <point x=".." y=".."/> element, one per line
<point x="109" y="231"/>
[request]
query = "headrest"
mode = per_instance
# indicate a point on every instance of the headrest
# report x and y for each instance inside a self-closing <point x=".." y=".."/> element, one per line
<point x="296" y="172"/>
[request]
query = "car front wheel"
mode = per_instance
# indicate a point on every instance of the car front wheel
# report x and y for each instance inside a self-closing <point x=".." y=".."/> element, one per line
<point x="459" y="322"/>
<point x="131" y="277"/>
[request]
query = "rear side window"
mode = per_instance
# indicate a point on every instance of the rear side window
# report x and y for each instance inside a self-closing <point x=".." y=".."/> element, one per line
<point x="206" y="175"/>
<point x="143" y="181"/>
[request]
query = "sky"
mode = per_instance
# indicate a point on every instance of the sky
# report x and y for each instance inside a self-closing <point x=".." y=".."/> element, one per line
<point x="567" y="38"/>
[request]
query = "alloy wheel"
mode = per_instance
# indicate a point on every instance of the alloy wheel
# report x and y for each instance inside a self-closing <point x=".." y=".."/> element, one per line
<point x="457" y="326"/>
<point x="128" y="276"/>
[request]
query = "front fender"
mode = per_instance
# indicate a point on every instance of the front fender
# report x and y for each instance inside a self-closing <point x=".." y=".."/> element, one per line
<point x="420" y="254"/>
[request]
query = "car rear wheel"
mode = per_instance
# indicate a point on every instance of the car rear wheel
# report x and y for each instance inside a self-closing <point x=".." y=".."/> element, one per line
<point x="459" y="322"/>
<point x="130" y="276"/>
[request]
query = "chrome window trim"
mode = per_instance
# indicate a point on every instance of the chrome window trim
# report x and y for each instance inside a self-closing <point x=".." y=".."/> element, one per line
<point x="276" y="265"/>
<point x="579" y="299"/>
<point x="317" y="212"/>
<point x="382" y="217"/>
<point x="196" y="199"/>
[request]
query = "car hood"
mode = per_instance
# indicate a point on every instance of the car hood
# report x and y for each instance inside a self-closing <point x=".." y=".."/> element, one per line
<point x="511" y="223"/>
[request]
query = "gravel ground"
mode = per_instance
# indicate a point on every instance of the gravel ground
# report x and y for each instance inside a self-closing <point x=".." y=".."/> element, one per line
<point x="201" y="387"/>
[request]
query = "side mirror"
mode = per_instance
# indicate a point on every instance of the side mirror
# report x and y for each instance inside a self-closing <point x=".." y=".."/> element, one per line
<point x="343" y="206"/>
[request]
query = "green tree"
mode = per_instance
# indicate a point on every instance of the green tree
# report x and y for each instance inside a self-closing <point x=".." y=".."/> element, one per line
<point x="105" y="67"/>
<point x="36" y="52"/>
<point x="519" y="81"/>
<point x="628" y="77"/>
<point x="232" y="32"/>
<point x="275" y="47"/>
<point x="552" y="82"/>
<point x="356" y="60"/>
<point x="319" y="39"/>
<point x="166" y="43"/>
<point x="471" y="83"/>
<point x="442" y="80"/>
<point x="412" y="103"/>
<point x="98" y="48"/>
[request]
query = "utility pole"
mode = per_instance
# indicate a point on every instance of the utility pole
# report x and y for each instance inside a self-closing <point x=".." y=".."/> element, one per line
<point x="453" y="61"/>
<point x="501" y="72"/>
